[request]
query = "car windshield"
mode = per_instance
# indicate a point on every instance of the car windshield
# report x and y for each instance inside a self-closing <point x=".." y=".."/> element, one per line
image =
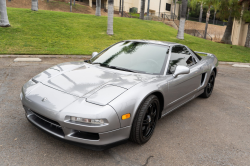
<point x="134" y="57"/>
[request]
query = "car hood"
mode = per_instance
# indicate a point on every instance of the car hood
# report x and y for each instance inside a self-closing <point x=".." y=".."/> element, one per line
<point x="81" y="79"/>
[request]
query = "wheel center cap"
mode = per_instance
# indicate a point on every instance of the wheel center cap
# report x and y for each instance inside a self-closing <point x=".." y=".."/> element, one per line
<point x="149" y="118"/>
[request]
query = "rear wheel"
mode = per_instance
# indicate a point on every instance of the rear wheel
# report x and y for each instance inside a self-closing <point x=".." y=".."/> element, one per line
<point x="210" y="86"/>
<point x="145" y="120"/>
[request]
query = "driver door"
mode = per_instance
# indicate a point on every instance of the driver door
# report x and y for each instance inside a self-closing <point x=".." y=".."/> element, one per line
<point x="182" y="88"/>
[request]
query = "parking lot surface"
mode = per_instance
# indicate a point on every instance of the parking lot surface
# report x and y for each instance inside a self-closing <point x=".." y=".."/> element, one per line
<point x="213" y="131"/>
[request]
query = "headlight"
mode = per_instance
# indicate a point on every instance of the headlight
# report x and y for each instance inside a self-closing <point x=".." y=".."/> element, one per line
<point x="89" y="121"/>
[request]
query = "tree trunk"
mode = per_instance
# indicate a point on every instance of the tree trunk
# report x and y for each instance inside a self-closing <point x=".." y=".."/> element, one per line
<point x="74" y="2"/>
<point x="148" y="7"/>
<point x="4" y="21"/>
<point x="110" y="17"/>
<point x="228" y="32"/>
<point x="120" y="6"/>
<point x="207" y="20"/>
<point x="98" y="8"/>
<point x="214" y="17"/>
<point x="180" y="9"/>
<point x="201" y="10"/>
<point x="188" y="13"/>
<point x="247" y="44"/>
<point x="142" y="9"/>
<point x="160" y="9"/>
<point x="174" y="9"/>
<point x="34" y="5"/>
<point x="70" y="5"/>
<point x="181" y="29"/>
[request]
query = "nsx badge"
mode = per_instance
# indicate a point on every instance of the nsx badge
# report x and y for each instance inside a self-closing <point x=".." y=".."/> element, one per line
<point x="44" y="99"/>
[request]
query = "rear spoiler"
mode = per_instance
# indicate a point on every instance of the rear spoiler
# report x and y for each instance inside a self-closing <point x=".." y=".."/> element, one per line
<point x="208" y="54"/>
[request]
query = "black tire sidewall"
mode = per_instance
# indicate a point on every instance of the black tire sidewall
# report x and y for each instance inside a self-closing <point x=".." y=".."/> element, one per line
<point x="136" y="131"/>
<point x="205" y="94"/>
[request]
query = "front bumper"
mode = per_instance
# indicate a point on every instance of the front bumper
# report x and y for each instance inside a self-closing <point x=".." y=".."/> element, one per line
<point x="94" y="141"/>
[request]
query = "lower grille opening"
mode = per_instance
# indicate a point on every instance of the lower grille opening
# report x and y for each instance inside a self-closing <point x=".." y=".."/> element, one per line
<point x="46" y="123"/>
<point x="86" y="135"/>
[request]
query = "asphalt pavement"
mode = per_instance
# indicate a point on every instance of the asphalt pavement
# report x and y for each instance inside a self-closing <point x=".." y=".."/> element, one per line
<point x="213" y="131"/>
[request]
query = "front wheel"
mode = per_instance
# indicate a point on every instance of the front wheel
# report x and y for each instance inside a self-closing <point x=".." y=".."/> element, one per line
<point x="145" y="120"/>
<point x="210" y="86"/>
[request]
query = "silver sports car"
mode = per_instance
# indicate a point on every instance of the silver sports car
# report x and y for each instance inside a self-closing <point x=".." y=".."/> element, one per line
<point x="119" y="94"/>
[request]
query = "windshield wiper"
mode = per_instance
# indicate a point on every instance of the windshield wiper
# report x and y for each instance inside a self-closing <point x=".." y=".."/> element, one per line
<point x="120" y="68"/>
<point x="101" y="64"/>
<point x="114" y="67"/>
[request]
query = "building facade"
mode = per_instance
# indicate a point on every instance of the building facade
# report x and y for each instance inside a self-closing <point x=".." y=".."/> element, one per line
<point x="165" y="6"/>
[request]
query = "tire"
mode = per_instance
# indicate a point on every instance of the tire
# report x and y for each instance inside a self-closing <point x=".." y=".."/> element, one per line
<point x="210" y="86"/>
<point x="145" y="120"/>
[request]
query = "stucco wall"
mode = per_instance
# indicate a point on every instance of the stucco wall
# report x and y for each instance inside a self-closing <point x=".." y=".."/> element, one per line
<point x="215" y="31"/>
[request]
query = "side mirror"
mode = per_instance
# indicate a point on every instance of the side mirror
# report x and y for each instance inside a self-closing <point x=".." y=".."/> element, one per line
<point x="94" y="54"/>
<point x="181" y="70"/>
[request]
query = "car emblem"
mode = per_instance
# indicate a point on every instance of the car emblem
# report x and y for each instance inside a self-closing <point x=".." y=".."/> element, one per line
<point x="44" y="99"/>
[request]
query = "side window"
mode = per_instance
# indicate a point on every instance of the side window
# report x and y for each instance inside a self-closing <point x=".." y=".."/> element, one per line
<point x="180" y="55"/>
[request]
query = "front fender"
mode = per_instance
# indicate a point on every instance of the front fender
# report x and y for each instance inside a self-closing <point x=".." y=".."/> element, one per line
<point x="130" y="101"/>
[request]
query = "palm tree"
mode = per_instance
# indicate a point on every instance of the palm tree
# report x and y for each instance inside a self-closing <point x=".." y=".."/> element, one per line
<point x="142" y="9"/>
<point x="209" y="3"/>
<point x="180" y="34"/>
<point x="98" y="8"/>
<point x="70" y="5"/>
<point x="229" y="10"/>
<point x="4" y="21"/>
<point x="110" y="17"/>
<point x="148" y="7"/>
<point x="216" y="6"/>
<point x="193" y="4"/>
<point x="246" y="18"/>
<point x="34" y="5"/>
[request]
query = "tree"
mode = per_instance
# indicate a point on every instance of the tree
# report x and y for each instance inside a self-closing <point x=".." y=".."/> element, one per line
<point x="70" y="5"/>
<point x="209" y="3"/>
<point x="148" y="7"/>
<point x="110" y="17"/>
<point x="98" y="8"/>
<point x="227" y="11"/>
<point x="4" y="22"/>
<point x="34" y="5"/>
<point x="180" y="34"/>
<point x="193" y="5"/>
<point x="216" y="6"/>
<point x="246" y="18"/>
<point x="142" y="9"/>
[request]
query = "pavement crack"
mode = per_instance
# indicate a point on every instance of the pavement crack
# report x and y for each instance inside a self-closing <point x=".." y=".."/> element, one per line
<point x="121" y="160"/>
<point x="147" y="160"/>
<point x="6" y="75"/>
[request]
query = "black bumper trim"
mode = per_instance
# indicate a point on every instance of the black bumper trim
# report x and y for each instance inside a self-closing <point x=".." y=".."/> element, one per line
<point x="87" y="146"/>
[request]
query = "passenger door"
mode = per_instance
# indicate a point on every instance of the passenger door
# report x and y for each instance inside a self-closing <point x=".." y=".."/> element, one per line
<point x="182" y="88"/>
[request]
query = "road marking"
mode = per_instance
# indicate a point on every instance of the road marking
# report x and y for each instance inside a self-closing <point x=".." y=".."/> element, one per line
<point x="27" y="60"/>
<point x="240" y="65"/>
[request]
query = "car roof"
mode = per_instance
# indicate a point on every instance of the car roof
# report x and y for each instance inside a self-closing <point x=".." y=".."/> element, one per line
<point x="156" y="42"/>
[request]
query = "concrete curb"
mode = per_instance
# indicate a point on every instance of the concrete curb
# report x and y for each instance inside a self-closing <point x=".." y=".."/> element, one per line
<point x="46" y="56"/>
<point x="232" y="63"/>
<point x="87" y="57"/>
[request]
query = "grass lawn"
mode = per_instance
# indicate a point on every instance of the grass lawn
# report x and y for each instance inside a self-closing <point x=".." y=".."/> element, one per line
<point x="135" y="15"/>
<point x="48" y="32"/>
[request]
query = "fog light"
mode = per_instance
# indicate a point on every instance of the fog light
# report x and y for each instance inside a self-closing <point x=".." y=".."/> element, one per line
<point x="90" y="121"/>
<point x="126" y="116"/>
